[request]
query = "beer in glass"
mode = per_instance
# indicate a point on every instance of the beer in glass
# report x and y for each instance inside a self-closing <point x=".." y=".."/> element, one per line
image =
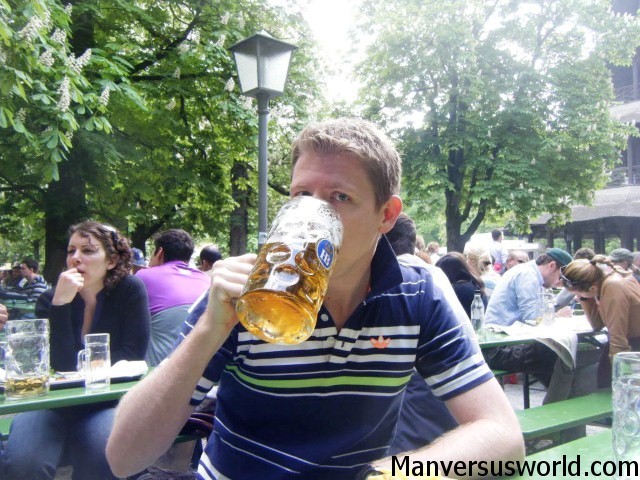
<point x="287" y="285"/>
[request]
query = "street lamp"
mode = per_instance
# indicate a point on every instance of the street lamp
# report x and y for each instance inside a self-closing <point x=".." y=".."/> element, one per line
<point x="263" y="64"/>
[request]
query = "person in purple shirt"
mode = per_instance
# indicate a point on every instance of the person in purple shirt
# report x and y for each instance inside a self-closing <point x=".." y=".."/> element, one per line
<point x="172" y="286"/>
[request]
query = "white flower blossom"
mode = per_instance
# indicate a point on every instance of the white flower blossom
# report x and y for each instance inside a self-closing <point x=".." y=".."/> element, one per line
<point x="104" y="96"/>
<point x="172" y="104"/>
<point x="77" y="64"/>
<point x="31" y="29"/>
<point x="241" y="23"/>
<point x="69" y="136"/>
<point x="46" y="21"/>
<point x="21" y="115"/>
<point x="247" y="102"/>
<point x="225" y="18"/>
<point x="533" y="161"/>
<point x="221" y="40"/>
<point x="194" y="36"/>
<point x="230" y="85"/>
<point x="3" y="56"/>
<point x="47" y="58"/>
<point x="59" y="36"/>
<point x="183" y="47"/>
<point x="65" y="96"/>
<point x="176" y="73"/>
<point x="68" y="8"/>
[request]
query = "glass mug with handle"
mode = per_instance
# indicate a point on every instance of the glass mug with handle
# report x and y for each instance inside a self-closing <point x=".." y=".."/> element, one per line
<point x="626" y="409"/>
<point x="94" y="361"/>
<point x="26" y="358"/>
<point x="287" y="285"/>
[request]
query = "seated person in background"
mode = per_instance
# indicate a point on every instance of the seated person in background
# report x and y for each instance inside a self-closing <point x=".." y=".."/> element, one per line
<point x="172" y="286"/>
<point x="515" y="299"/>
<point x="327" y="407"/>
<point x="432" y="250"/>
<point x="516" y="257"/>
<point x="96" y="294"/>
<point x="208" y="256"/>
<point x="33" y="285"/>
<point x="479" y="261"/>
<point x="623" y="258"/>
<point x="565" y="298"/>
<point x="636" y="265"/>
<point x="610" y="299"/>
<point x="4" y="316"/>
<point x="463" y="280"/>
<point x="421" y="250"/>
<point x="423" y="416"/>
<point x="138" y="261"/>
<point x="14" y="278"/>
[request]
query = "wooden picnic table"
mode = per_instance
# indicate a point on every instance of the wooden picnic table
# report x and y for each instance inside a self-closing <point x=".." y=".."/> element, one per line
<point x="65" y="397"/>
<point x="582" y="458"/>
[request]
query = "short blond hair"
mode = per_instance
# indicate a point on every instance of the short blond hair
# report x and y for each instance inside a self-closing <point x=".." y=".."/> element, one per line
<point x="362" y="139"/>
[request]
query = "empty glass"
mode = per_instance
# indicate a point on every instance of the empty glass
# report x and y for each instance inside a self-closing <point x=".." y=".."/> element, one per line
<point x="94" y="361"/>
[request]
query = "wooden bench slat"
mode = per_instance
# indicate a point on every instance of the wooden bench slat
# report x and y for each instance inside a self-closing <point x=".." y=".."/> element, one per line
<point x="555" y="417"/>
<point x="5" y="425"/>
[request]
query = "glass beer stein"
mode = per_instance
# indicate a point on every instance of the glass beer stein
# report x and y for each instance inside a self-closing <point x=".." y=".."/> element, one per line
<point x="287" y="285"/>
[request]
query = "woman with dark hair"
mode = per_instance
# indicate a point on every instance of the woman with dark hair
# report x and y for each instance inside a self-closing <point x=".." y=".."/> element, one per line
<point x="463" y="279"/>
<point x="610" y="297"/>
<point x="96" y="294"/>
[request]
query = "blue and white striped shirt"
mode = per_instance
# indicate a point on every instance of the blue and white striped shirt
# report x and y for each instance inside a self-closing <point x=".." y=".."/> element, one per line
<point x="328" y="406"/>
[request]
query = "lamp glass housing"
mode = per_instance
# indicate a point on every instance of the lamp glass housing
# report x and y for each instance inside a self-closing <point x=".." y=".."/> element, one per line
<point x="263" y="64"/>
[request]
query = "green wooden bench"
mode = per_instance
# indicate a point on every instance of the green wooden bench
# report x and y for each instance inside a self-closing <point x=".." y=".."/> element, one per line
<point x="556" y="417"/>
<point x="5" y="425"/>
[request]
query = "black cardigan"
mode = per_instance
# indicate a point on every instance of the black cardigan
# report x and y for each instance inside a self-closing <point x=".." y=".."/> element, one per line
<point x="123" y="312"/>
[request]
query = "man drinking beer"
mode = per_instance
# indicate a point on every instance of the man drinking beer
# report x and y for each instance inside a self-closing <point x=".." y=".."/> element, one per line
<point x="325" y="408"/>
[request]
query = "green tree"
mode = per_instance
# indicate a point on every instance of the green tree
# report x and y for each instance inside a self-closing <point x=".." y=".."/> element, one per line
<point x="129" y="112"/>
<point x="500" y="106"/>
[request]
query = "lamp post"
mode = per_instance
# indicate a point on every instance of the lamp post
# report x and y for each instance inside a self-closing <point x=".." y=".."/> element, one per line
<point x="263" y="64"/>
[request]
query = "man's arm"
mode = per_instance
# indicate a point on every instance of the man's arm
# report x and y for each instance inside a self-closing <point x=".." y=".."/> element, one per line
<point x="150" y="416"/>
<point x="488" y="431"/>
<point x="4" y="316"/>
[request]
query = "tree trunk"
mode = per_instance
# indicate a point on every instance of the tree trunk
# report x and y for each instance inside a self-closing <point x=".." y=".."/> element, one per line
<point x="65" y="205"/>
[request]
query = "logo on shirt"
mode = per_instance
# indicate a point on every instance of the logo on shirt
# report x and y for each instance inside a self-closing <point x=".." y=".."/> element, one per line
<point x="380" y="342"/>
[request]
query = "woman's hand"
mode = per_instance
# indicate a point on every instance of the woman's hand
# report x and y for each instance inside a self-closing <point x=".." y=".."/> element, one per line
<point x="564" y="312"/>
<point x="69" y="284"/>
<point x="4" y="316"/>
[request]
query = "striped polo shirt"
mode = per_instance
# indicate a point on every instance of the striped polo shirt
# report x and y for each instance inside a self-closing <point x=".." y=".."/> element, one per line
<point x="327" y="407"/>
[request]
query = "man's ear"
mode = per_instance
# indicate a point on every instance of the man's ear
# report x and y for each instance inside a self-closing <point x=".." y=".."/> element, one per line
<point x="391" y="210"/>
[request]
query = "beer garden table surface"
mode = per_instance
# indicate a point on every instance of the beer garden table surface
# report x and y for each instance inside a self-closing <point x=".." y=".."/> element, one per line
<point x="64" y="397"/>
<point x="18" y="308"/>
<point x="488" y="338"/>
<point x="590" y="449"/>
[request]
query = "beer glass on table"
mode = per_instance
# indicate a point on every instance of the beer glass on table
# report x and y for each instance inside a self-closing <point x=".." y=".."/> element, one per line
<point x="94" y="361"/>
<point x="287" y="285"/>
<point x="26" y="358"/>
<point x="626" y="409"/>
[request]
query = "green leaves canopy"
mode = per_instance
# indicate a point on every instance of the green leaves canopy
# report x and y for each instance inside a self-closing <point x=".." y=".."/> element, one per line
<point x="502" y="106"/>
<point x="129" y="111"/>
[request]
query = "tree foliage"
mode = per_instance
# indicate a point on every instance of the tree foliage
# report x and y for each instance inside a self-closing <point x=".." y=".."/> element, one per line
<point x="501" y="106"/>
<point x="129" y="112"/>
